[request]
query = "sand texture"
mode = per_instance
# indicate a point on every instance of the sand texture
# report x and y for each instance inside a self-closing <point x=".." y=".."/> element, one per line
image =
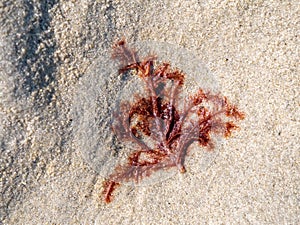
<point x="54" y="105"/>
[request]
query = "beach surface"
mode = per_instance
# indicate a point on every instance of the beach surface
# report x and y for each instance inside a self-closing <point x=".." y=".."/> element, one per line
<point x="54" y="98"/>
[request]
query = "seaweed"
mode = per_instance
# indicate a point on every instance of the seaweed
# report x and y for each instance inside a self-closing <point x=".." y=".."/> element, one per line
<point x="162" y="124"/>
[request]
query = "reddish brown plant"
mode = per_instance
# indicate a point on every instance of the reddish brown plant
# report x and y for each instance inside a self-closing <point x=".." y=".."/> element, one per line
<point x="172" y="124"/>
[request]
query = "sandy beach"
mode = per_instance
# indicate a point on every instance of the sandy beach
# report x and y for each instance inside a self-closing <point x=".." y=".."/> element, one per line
<point x="56" y="103"/>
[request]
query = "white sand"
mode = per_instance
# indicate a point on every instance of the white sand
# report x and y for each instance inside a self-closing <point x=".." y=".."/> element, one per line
<point x="253" y="49"/>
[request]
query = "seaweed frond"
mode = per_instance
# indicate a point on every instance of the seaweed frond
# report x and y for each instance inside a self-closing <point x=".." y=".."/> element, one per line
<point x="157" y="117"/>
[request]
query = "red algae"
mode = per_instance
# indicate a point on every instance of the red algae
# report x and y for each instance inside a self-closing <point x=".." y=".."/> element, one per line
<point x="161" y="124"/>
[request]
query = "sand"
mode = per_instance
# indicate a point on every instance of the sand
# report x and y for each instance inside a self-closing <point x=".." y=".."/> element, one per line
<point x="48" y="54"/>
